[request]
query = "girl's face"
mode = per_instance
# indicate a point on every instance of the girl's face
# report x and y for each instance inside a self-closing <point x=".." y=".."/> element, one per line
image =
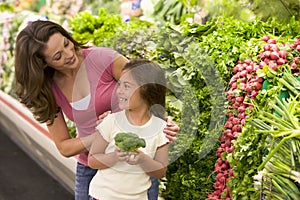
<point x="60" y="53"/>
<point x="128" y="92"/>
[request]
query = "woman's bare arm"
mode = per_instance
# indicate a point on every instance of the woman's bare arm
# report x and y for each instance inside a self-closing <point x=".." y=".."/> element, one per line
<point x="67" y="145"/>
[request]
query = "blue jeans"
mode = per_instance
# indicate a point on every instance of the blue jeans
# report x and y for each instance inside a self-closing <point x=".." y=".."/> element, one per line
<point x="84" y="175"/>
<point x="153" y="190"/>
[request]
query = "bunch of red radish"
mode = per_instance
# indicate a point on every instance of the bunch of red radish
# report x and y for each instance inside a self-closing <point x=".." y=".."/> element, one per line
<point x="244" y="85"/>
<point x="274" y="56"/>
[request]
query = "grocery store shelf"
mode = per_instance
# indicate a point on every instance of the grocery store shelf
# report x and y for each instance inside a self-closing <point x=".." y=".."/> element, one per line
<point x="33" y="139"/>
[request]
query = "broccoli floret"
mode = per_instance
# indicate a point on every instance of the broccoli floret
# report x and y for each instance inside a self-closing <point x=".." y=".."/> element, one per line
<point x="129" y="142"/>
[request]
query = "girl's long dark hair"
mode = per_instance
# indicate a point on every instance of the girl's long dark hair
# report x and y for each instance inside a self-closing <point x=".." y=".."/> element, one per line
<point x="32" y="75"/>
<point x="151" y="78"/>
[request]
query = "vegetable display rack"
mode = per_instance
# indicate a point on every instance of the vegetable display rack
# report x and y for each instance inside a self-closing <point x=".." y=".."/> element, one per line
<point x="266" y="195"/>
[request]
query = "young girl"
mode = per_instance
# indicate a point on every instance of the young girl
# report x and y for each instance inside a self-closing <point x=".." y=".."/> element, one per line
<point x="126" y="175"/>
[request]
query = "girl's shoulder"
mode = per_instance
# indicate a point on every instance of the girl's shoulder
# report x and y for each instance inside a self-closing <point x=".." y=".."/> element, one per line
<point x="157" y="120"/>
<point x="113" y="118"/>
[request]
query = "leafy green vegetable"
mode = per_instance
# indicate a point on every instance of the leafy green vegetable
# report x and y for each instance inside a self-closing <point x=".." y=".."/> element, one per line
<point x="129" y="141"/>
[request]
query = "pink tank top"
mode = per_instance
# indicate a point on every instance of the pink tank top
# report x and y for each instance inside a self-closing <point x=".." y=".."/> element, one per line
<point x="99" y="66"/>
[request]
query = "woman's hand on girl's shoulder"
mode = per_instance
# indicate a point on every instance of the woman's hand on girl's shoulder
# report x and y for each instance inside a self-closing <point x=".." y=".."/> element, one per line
<point x="102" y="116"/>
<point x="171" y="129"/>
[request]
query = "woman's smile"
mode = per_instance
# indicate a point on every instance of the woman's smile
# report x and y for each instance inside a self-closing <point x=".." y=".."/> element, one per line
<point x="71" y="61"/>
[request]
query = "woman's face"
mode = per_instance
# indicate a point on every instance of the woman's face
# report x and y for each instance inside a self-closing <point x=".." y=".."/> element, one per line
<point x="60" y="53"/>
<point x="128" y="92"/>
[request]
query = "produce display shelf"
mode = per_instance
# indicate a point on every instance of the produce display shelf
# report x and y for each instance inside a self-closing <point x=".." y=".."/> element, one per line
<point x="34" y="139"/>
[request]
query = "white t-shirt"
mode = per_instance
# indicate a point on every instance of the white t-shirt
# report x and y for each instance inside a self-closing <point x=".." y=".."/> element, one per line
<point x="124" y="181"/>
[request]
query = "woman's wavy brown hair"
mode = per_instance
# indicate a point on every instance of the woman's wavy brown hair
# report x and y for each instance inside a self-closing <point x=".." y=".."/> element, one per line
<point x="32" y="75"/>
<point x="151" y="79"/>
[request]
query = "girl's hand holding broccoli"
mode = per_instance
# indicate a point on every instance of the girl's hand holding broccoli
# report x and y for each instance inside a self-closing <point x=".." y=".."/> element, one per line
<point x="127" y="145"/>
<point x="136" y="157"/>
<point x="132" y="158"/>
<point x="121" y="155"/>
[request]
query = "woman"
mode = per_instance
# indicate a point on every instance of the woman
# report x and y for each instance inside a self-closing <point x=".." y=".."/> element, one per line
<point x="56" y="77"/>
